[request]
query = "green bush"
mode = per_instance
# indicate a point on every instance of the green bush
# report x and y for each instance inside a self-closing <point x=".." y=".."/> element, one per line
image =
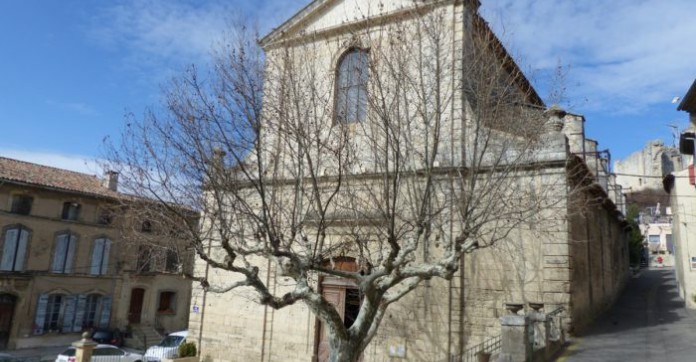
<point x="187" y="349"/>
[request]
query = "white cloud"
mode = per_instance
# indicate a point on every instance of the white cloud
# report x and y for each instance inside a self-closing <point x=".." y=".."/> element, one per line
<point x="155" y="32"/>
<point x="70" y="162"/>
<point x="157" y="38"/>
<point x="625" y="55"/>
<point x="76" y="107"/>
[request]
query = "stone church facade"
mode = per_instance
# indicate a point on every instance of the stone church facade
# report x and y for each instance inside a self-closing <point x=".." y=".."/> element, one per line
<point x="580" y="265"/>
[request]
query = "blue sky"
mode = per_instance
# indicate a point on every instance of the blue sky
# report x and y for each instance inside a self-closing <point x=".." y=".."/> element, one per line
<point x="71" y="69"/>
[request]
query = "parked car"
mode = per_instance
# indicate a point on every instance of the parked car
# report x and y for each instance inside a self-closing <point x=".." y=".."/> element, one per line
<point x="167" y="348"/>
<point x="108" y="336"/>
<point x="102" y="353"/>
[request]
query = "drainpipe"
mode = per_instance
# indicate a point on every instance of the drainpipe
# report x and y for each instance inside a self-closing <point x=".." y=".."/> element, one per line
<point x="205" y="294"/>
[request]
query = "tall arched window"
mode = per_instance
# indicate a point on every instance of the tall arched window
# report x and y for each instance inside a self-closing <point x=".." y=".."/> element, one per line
<point x="14" y="248"/>
<point x="351" y="86"/>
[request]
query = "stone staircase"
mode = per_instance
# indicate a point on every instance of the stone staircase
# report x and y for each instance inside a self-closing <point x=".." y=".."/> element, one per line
<point x="143" y="337"/>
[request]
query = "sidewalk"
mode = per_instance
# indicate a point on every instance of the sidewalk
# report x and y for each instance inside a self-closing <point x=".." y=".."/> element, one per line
<point x="36" y="354"/>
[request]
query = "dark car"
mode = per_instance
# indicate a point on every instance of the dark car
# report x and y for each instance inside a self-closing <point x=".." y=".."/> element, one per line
<point x="108" y="336"/>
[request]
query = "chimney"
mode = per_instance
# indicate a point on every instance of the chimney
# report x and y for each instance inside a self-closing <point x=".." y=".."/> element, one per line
<point x="110" y="180"/>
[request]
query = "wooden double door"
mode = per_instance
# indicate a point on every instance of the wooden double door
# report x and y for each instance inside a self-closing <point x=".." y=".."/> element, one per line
<point x="346" y="298"/>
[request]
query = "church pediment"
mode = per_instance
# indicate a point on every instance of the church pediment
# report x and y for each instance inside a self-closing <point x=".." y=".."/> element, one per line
<point x="322" y="15"/>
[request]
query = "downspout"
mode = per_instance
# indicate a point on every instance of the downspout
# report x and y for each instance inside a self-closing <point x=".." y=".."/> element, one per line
<point x="466" y="25"/>
<point x="265" y="313"/>
<point x="205" y="294"/>
<point x="589" y="260"/>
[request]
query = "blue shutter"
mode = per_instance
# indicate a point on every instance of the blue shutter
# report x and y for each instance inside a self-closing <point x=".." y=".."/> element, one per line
<point x="105" y="257"/>
<point x="69" y="313"/>
<point x="97" y="252"/>
<point x="72" y="244"/>
<point x="40" y="313"/>
<point x="105" y="311"/>
<point x="80" y="312"/>
<point x="22" y="249"/>
<point x="8" y="249"/>
<point x="59" y="254"/>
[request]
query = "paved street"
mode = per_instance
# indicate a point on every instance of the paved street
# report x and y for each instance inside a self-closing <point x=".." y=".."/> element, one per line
<point x="648" y="323"/>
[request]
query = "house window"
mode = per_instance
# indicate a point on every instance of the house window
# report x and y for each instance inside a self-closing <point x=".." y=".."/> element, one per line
<point x="53" y="312"/>
<point x="92" y="310"/>
<point x="106" y="217"/>
<point x="100" y="256"/>
<point x="167" y="303"/>
<point x="71" y="211"/>
<point x="64" y="253"/>
<point x="21" y="204"/>
<point x="144" y="258"/>
<point x="172" y="261"/>
<point x="14" y="249"/>
<point x="654" y="239"/>
<point x="351" y="86"/>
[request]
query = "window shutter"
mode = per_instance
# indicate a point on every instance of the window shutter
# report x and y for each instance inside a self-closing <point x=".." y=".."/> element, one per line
<point x="71" y="254"/>
<point x="59" y="254"/>
<point x="8" y="250"/>
<point x="79" y="312"/>
<point x="40" y="313"/>
<point x="22" y="249"/>
<point x="69" y="313"/>
<point x="97" y="252"/>
<point x="105" y="312"/>
<point x="105" y="256"/>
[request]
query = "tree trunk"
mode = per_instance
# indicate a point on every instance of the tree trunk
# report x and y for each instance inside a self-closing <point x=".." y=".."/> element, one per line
<point x="344" y="351"/>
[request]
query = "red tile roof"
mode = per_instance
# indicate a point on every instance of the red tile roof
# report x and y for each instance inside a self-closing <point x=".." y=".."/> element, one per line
<point x="16" y="171"/>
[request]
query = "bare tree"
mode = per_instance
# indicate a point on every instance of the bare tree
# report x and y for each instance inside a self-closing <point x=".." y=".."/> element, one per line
<point x="433" y="147"/>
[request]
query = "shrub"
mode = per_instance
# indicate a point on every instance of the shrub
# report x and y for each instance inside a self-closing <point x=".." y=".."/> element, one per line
<point x="187" y="349"/>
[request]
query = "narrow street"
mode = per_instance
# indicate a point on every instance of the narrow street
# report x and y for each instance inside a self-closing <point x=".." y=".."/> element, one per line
<point x="647" y="323"/>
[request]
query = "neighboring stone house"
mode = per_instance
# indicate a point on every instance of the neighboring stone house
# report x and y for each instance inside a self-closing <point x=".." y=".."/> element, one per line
<point x="581" y="265"/>
<point x="681" y="185"/>
<point x="67" y="265"/>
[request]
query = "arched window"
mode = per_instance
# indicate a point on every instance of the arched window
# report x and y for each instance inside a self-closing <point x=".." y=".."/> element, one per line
<point x="14" y="248"/>
<point x="100" y="256"/>
<point x="351" y="86"/>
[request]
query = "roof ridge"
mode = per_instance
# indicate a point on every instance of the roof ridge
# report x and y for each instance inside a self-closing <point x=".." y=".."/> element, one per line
<point x="51" y="167"/>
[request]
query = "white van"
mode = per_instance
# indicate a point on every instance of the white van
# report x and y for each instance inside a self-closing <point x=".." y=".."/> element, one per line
<point x="167" y="348"/>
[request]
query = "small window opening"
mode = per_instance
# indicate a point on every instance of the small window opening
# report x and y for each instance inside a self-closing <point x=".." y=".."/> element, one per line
<point x="21" y="204"/>
<point x="167" y="302"/>
<point x="71" y="211"/>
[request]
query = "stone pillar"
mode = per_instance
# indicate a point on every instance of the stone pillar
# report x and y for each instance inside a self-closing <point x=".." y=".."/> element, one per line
<point x="515" y="343"/>
<point x="84" y="348"/>
<point x="554" y="144"/>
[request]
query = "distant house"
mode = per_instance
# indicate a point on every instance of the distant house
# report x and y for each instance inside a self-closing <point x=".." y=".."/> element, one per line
<point x="68" y="263"/>
<point x="682" y="188"/>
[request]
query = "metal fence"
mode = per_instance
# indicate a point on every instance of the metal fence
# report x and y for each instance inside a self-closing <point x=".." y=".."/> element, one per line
<point x="489" y="347"/>
<point x="22" y="359"/>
